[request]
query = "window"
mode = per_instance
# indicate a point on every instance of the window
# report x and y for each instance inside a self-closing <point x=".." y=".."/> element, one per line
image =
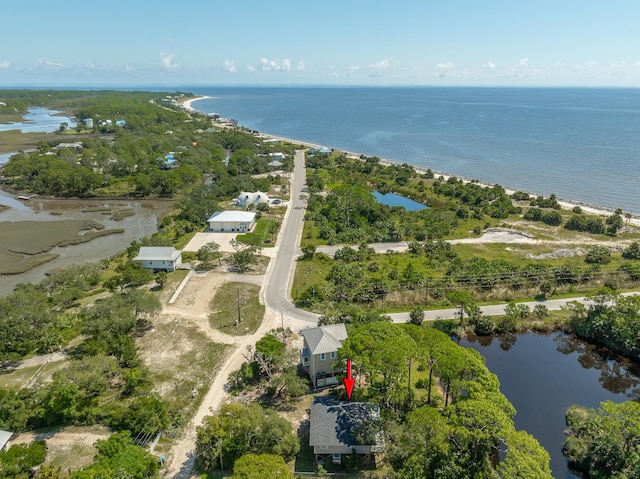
<point x="333" y="355"/>
<point x="323" y="356"/>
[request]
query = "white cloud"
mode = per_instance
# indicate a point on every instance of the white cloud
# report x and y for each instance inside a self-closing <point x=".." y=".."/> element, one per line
<point x="90" y="65"/>
<point x="301" y="66"/>
<point x="354" y="68"/>
<point x="168" y="61"/>
<point x="128" y="68"/>
<point x="277" y="65"/>
<point x="445" y="66"/>
<point x="524" y="62"/>
<point x="379" y="68"/>
<point x="5" y="65"/>
<point x="251" y="68"/>
<point x="490" y="65"/>
<point x="47" y="65"/>
<point x="636" y="64"/>
<point x="230" y="66"/>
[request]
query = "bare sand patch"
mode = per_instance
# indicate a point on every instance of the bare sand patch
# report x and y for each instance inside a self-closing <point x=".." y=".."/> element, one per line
<point x="70" y="448"/>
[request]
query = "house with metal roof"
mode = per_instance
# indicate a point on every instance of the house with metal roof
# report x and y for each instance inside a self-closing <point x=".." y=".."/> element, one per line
<point x="159" y="258"/>
<point x="337" y="428"/>
<point x="232" y="221"/>
<point x="320" y="351"/>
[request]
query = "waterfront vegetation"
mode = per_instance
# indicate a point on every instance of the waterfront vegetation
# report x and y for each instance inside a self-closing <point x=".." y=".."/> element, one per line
<point x="342" y="210"/>
<point x="605" y="443"/>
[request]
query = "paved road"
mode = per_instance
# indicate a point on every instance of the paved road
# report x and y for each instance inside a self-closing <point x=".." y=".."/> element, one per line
<point x="277" y="289"/>
<point x="493" y="310"/>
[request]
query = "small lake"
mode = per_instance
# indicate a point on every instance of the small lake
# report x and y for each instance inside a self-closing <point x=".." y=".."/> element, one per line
<point x="542" y="375"/>
<point x="392" y="199"/>
<point x="38" y="120"/>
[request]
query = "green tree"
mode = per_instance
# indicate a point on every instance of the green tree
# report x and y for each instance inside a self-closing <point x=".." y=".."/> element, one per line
<point x="598" y="255"/>
<point x="19" y="459"/>
<point x="632" y="252"/>
<point x="416" y="315"/>
<point x="208" y="252"/>
<point x="237" y="429"/>
<point x="525" y="458"/>
<point x="264" y="466"/>
<point x="161" y="278"/>
<point x="606" y="442"/>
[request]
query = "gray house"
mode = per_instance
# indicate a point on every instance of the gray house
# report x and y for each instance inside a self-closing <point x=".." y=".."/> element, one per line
<point x="320" y="351"/>
<point x="159" y="258"/>
<point x="338" y="428"/>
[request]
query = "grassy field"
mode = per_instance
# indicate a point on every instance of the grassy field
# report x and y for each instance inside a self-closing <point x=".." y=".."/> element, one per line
<point x="225" y="309"/>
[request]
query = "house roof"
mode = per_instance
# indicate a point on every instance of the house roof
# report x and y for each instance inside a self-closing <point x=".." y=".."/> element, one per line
<point x="325" y="339"/>
<point x="157" y="253"/>
<point x="4" y="438"/>
<point x="335" y="423"/>
<point x="232" y="216"/>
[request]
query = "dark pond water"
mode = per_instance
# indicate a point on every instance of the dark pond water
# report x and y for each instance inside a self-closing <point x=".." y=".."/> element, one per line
<point x="542" y="375"/>
<point x="391" y="199"/>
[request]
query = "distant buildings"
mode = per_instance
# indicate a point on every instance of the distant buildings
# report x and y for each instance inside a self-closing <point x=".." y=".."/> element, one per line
<point x="245" y="199"/>
<point x="232" y="221"/>
<point x="159" y="258"/>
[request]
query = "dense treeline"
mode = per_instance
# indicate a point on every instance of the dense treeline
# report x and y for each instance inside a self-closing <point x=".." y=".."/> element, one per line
<point x="605" y="443"/>
<point x="613" y="320"/>
<point x="160" y="150"/>
<point x="454" y="431"/>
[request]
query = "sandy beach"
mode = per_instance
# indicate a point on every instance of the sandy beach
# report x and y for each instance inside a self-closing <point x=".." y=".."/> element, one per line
<point x="188" y="103"/>
<point x="564" y="203"/>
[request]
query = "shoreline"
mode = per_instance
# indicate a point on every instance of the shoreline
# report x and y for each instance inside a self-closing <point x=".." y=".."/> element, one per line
<point x="565" y="204"/>
<point x="188" y="104"/>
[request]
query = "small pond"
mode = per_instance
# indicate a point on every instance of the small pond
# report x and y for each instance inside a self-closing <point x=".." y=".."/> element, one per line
<point x="38" y="120"/>
<point x="392" y="199"/>
<point x="542" y="375"/>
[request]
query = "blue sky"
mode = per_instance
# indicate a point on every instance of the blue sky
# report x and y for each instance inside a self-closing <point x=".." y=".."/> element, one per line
<point x="326" y="42"/>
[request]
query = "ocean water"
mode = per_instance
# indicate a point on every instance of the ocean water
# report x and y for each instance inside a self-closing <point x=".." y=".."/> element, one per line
<point x="581" y="144"/>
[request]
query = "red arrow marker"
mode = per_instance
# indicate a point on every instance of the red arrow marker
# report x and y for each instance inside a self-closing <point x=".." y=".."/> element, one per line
<point x="348" y="381"/>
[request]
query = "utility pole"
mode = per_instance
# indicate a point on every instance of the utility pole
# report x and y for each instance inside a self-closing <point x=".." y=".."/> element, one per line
<point x="238" y="298"/>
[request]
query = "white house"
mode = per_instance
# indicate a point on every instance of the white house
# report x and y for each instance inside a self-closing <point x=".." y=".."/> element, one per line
<point x="159" y="258"/>
<point x="245" y="199"/>
<point x="232" y="221"/>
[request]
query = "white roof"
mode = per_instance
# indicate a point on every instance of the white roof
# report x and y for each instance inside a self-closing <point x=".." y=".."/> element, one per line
<point x="4" y="438"/>
<point x="232" y="217"/>
<point x="157" y="253"/>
